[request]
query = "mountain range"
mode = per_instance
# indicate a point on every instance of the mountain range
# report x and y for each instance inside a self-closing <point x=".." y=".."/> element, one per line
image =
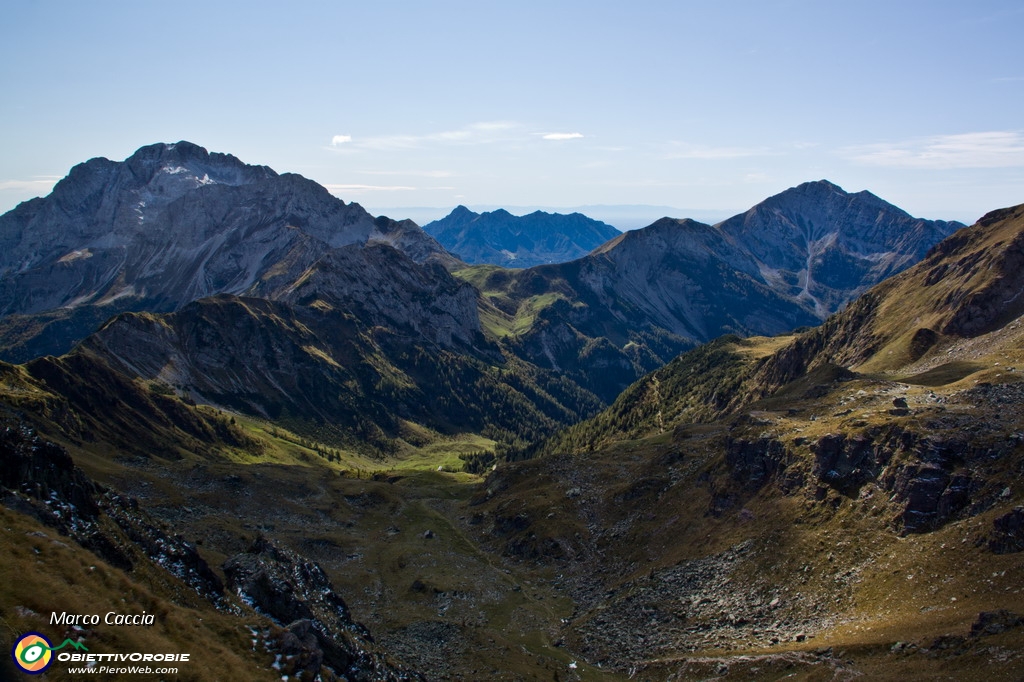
<point x="174" y="224"/>
<point x="500" y="238"/>
<point x="785" y="444"/>
<point x="637" y="301"/>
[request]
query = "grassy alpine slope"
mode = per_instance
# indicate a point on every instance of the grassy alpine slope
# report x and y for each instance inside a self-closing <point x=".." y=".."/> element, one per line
<point x="840" y="502"/>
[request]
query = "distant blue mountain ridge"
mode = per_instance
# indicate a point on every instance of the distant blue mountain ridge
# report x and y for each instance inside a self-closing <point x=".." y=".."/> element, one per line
<point x="500" y="238"/>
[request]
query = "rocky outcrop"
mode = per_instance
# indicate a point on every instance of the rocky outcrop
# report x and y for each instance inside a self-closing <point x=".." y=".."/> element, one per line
<point x="170" y="551"/>
<point x="1008" y="533"/>
<point x="848" y="463"/>
<point x="922" y="483"/>
<point x="753" y="462"/>
<point x="995" y="622"/>
<point x="931" y="496"/>
<point x="929" y="480"/>
<point x="299" y="595"/>
<point x="39" y="478"/>
<point x="45" y="472"/>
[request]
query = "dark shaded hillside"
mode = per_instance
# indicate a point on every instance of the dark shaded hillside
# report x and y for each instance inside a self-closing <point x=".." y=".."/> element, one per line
<point x="326" y="373"/>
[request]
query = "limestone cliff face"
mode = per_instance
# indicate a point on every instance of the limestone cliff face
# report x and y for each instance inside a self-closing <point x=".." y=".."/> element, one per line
<point x="174" y="223"/>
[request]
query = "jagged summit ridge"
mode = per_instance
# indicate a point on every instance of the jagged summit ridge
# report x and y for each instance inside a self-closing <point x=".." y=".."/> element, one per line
<point x="500" y="238"/>
<point x="191" y="159"/>
<point x="173" y="223"/>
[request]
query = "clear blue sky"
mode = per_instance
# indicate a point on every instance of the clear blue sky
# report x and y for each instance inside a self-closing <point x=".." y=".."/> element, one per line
<point x="698" y="104"/>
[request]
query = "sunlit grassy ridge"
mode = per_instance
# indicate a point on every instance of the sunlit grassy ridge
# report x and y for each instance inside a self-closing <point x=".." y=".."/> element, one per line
<point x="508" y="311"/>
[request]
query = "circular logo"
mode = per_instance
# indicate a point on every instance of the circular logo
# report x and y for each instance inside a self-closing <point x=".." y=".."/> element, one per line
<point x="32" y="653"/>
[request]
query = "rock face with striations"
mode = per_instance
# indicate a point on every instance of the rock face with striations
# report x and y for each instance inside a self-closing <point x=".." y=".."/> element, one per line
<point x="823" y="247"/>
<point x="172" y="224"/>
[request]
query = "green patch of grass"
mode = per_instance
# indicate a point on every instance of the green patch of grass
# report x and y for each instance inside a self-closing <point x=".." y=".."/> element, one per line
<point x="442" y="455"/>
<point x="528" y="310"/>
<point x="496" y="323"/>
<point x="281" y="446"/>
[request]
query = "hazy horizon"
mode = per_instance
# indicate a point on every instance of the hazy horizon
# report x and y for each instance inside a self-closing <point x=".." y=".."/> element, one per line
<point x="620" y="216"/>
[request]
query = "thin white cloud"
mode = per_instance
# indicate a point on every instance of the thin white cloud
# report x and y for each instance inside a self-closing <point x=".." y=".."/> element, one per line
<point x="992" y="149"/>
<point x="43" y="183"/>
<point x="415" y="174"/>
<point x="561" y="136"/>
<point x="485" y="132"/>
<point x="369" y="188"/>
<point x="340" y="139"/>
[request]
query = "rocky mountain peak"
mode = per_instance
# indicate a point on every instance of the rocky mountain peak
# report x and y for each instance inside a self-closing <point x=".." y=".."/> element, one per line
<point x="193" y="164"/>
<point x="173" y="223"/>
<point x="672" y="239"/>
<point x="815" y="209"/>
<point x="462" y="215"/>
<point x="824" y="246"/>
<point x="816" y="188"/>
